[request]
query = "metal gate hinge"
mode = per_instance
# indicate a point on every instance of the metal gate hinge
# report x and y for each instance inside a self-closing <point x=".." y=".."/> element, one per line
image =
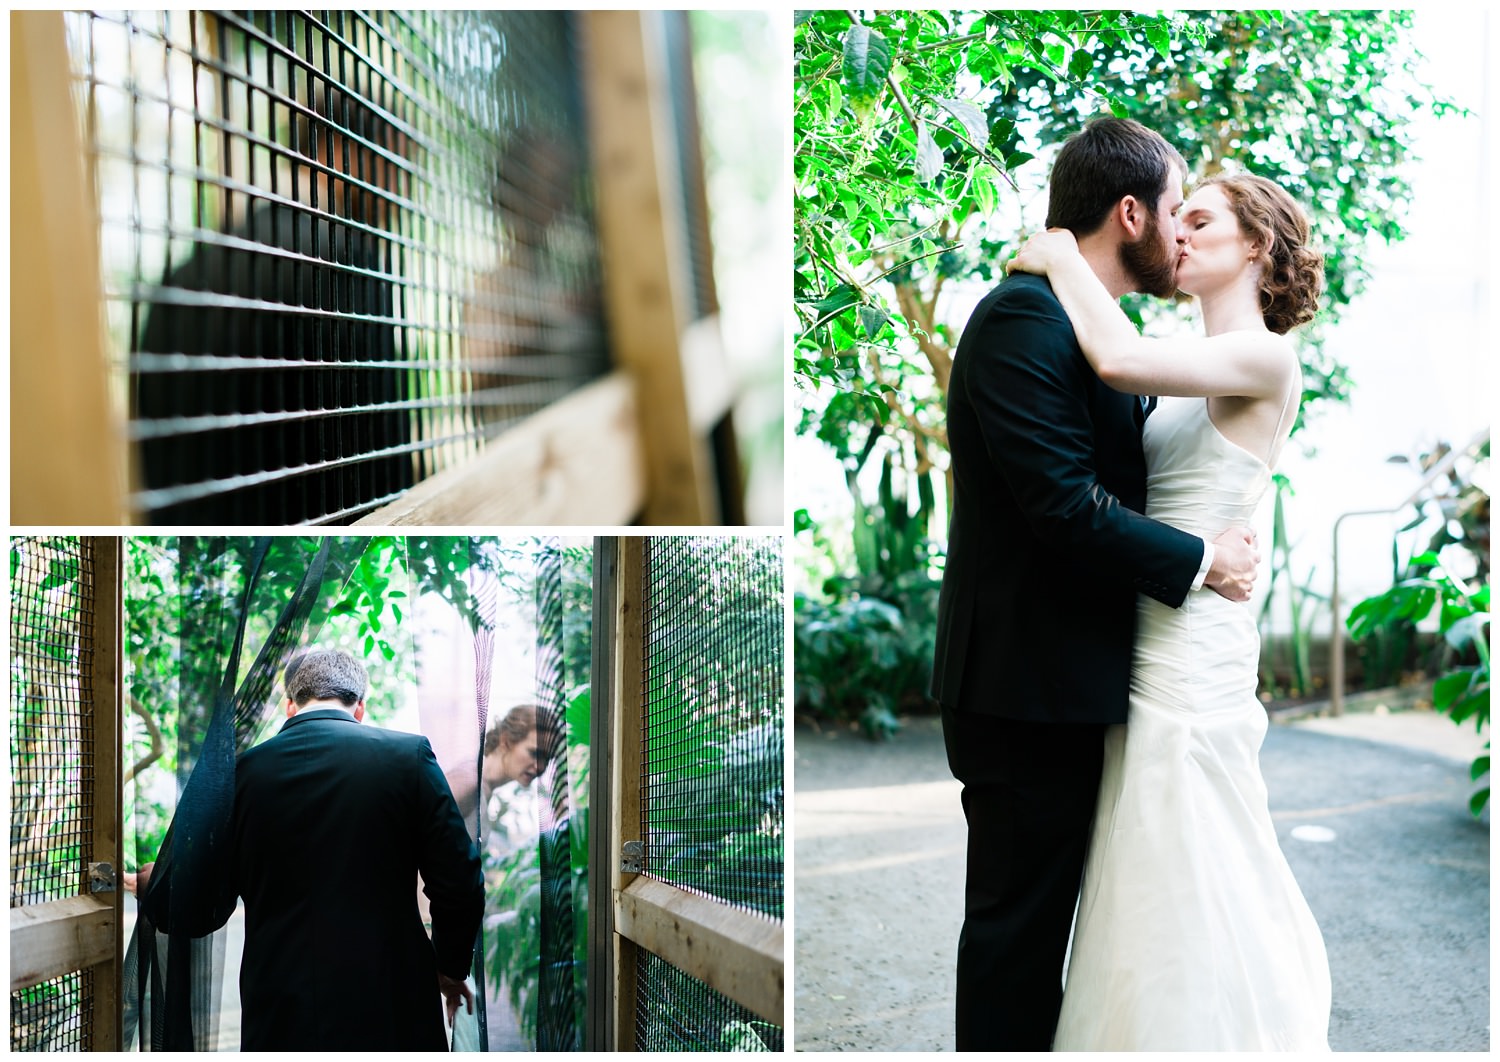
<point x="633" y="858"/>
<point x="101" y="877"/>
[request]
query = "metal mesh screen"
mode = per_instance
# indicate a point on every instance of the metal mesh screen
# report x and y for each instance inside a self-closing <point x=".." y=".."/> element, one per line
<point x="712" y="799"/>
<point x="51" y="723"/>
<point x="51" y="765"/>
<point x="341" y="250"/>
<point x="677" y="1012"/>
<point x="55" y="1015"/>
<point x="712" y="802"/>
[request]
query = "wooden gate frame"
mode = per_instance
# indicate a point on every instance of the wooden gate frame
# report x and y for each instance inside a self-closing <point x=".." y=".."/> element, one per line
<point x="85" y="931"/>
<point x="635" y="446"/>
<point x="735" y="952"/>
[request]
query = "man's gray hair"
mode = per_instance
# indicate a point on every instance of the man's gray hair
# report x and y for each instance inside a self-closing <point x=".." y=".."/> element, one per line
<point x="326" y="674"/>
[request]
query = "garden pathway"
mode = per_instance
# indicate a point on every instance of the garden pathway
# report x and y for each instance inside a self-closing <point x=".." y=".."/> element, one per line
<point x="1401" y="889"/>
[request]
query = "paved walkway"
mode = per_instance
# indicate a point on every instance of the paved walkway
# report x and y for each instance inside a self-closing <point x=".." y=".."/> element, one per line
<point x="1394" y="868"/>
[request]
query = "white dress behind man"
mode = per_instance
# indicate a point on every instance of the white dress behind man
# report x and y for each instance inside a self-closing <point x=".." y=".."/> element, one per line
<point x="1191" y="931"/>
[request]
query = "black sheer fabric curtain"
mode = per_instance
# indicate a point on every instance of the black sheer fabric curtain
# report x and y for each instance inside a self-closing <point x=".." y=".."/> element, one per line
<point x="175" y="961"/>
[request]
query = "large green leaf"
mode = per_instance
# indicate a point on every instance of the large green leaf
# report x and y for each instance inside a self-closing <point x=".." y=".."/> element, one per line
<point x="867" y="61"/>
<point x="970" y="116"/>
<point x="929" y="156"/>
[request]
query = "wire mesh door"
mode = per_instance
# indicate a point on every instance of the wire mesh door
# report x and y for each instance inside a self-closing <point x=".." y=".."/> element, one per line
<point x="700" y="811"/>
<point x="64" y="828"/>
<point x="341" y="251"/>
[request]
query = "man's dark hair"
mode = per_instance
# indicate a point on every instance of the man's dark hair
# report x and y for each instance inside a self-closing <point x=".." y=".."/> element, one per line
<point x="326" y="674"/>
<point x="1096" y="168"/>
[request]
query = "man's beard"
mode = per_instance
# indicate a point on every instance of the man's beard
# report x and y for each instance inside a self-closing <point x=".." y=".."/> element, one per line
<point x="1153" y="266"/>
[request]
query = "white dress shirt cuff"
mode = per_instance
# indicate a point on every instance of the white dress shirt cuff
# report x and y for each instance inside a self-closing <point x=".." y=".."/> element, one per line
<point x="1208" y="562"/>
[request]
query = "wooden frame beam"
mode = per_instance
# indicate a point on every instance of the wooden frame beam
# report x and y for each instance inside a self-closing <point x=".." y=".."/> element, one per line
<point x="51" y="939"/>
<point x="578" y="461"/>
<point x="735" y="952"/>
<point x="107" y="708"/>
<point x="68" y="456"/>
<point x="641" y="244"/>
<point x="626" y="736"/>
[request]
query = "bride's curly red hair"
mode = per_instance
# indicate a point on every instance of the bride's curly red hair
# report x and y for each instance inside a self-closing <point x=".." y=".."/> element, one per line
<point x="1293" y="271"/>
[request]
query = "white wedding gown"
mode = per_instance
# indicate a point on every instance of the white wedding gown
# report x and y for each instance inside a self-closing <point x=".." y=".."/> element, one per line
<point x="1191" y="933"/>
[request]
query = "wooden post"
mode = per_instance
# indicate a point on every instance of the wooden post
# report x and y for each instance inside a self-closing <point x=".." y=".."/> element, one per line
<point x="107" y="707"/>
<point x="642" y="248"/>
<point x="626" y="738"/>
<point x="66" y="444"/>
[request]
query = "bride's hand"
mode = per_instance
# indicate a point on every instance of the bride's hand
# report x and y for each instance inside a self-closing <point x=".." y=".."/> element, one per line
<point x="1042" y="252"/>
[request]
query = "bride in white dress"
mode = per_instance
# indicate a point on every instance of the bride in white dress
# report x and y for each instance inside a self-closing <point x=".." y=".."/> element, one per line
<point x="1191" y="933"/>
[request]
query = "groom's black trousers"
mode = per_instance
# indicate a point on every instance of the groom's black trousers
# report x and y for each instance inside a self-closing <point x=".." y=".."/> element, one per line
<point x="1029" y="796"/>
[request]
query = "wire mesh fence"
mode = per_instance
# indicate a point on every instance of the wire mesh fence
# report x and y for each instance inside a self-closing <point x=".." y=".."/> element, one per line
<point x="712" y="799"/>
<point x="677" y="1012"/>
<point x="340" y="250"/>
<point x="55" y="1015"/>
<point x="51" y="765"/>
<point x="51" y="722"/>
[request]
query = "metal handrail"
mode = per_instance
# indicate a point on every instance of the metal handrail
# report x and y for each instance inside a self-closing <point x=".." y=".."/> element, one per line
<point x="1336" y="637"/>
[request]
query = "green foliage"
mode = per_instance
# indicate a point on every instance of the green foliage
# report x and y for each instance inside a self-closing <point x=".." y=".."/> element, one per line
<point x="921" y="147"/>
<point x="513" y="928"/>
<point x="1461" y="603"/>
<point x="1302" y="604"/>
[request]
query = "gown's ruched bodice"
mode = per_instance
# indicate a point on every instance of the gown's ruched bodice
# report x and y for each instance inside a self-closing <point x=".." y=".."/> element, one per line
<point x="1191" y="931"/>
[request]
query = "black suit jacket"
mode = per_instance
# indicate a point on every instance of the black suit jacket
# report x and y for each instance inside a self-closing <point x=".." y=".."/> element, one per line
<point x="1047" y="547"/>
<point x="333" y="820"/>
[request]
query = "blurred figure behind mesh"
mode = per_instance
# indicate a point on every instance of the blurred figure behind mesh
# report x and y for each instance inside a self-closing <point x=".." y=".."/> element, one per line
<point x="285" y="283"/>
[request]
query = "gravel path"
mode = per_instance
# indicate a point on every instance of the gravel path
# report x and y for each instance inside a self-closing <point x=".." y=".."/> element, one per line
<point x="1401" y="890"/>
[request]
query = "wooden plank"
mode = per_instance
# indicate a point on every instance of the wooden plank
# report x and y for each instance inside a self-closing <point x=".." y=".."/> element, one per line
<point x="735" y="952"/>
<point x="51" y="939"/>
<point x="643" y="250"/>
<point x="66" y="443"/>
<point x="106" y="706"/>
<point x="578" y="461"/>
<point x="627" y="739"/>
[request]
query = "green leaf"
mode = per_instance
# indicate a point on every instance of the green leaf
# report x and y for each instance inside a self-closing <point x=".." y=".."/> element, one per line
<point x="1081" y="64"/>
<point x="1160" y="39"/>
<point x="1479" y="768"/>
<point x="1475" y="706"/>
<point x="867" y="61"/>
<point x="835" y="98"/>
<point x="840" y="298"/>
<point x="984" y="190"/>
<point x="1016" y="159"/>
<point x="929" y="156"/>
<point x="1448" y="688"/>
<point x="1478" y="801"/>
<point x="1463" y="631"/>
<point x="801" y="522"/>
<point x="970" y="117"/>
<point x="873" y="319"/>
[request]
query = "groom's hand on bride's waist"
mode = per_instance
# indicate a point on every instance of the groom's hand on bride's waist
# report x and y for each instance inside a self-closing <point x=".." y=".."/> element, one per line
<point x="1236" y="560"/>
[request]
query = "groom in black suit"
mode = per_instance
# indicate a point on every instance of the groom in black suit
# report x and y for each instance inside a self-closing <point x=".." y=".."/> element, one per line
<point x="1047" y="550"/>
<point x="333" y="821"/>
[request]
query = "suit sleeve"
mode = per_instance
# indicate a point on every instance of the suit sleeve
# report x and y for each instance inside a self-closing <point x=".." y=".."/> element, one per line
<point x="1029" y="390"/>
<point x="449" y="864"/>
